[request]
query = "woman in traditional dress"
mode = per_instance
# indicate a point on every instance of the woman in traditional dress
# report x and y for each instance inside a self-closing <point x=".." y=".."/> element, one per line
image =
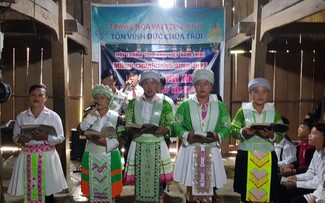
<point x="256" y="167"/>
<point x="38" y="171"/>
<point x="148" y="163"/>
<point x="101" y="178"/>
<point x="202" y="123"/>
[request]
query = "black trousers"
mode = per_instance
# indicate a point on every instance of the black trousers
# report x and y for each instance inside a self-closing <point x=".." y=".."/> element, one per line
<point x="49" y="199"/>
<point x="288" y="195"/>
<point x="298" y="199"/>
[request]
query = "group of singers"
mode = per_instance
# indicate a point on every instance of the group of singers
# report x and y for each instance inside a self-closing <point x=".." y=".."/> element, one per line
<point x="201" y="122"/>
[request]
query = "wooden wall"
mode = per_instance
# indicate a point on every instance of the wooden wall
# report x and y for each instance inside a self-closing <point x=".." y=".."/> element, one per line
<point x="28" y="61"/>
<point x="296" y="78"/>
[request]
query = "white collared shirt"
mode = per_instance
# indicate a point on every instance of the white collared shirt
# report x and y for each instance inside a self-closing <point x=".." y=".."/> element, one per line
<point x="147" y="107"/>
<point x="289" y="151"/>
<point x="89" y="120"/>
<point x="48" y="117"/>
<point x="138" y="91"/>
<point x="313" y="177"/>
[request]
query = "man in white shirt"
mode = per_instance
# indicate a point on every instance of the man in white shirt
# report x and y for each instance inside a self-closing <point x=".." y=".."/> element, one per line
<point x="285" y="149"/>
<point x="132" y="87"/>
<point x="308" y="182"/>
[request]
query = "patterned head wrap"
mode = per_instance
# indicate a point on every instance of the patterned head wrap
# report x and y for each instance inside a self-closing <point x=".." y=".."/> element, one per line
<point x="102" y="89"/>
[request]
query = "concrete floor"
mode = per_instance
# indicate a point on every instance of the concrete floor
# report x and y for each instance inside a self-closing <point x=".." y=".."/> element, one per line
<point x="174" y="194"/>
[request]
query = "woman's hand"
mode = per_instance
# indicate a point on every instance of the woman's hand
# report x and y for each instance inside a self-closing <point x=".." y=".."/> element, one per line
<point x="286" y="170"/>
<point x="37" y="135"/>
<point x="312" y="199"/>
<point x="24" y="138"/>
<point x="101" y="141"/>
<point x="93" y="110"/>
<point x="211" y="137"/>
<point x="266" y="134"/>
<point x="248" y="132"/>
<point x="162" y="130"/>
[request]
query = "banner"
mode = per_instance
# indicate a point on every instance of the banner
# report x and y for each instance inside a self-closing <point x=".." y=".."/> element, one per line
<point x="175" y="65"/>
<point x="173" y="41"/>
<point x="151" y="24"/>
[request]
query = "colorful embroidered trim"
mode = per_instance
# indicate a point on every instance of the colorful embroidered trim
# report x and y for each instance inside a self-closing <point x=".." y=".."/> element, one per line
<point x="100" y="178"/>
<point x="259" y="176"/>
<point x="34" y="177"/>
<point x="202" y="173"/>
<point x="147" y="172"/>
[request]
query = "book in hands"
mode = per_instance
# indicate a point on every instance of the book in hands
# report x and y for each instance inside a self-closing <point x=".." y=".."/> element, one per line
<point x="106" y="132"/>
<point x="28" y="129"/>
<point x="145" y="128"/>
<point x="276" y="127"/>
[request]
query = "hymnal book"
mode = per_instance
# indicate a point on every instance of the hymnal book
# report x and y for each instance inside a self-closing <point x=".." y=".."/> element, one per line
<point x="276" y="127"/>
<point x="145" y="128"/>
<point x="28" y="129"/>
<point x="106" y="132"/>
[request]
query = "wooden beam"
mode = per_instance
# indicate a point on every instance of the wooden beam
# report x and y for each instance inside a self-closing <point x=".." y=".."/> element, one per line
<point x="47" y="12"/>
<point x="35" y="9"/>
<point x="60" y="88"/>
<point x="273" y="7"/>
<point x="227" y="70"/>
<point x="292" y="14"/>
<point x="234" y="38"/>
<point x="76" y="32"/>
<point x="259" y="47"/>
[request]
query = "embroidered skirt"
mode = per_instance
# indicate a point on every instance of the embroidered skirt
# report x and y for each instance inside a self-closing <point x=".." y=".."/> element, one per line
<point x="115" y="177"/>
<point x="166" y="168"/>
<point x="50" y="169"/>
<point x="241" y="169"/>
<point x="184" y="167"/>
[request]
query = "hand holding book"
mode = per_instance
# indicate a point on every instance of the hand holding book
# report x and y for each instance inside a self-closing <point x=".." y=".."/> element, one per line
<point x="38" y="131"/>
<point x="139" y="129"/>
<point x="276" y="127"/>
<point x="106" y="132"/>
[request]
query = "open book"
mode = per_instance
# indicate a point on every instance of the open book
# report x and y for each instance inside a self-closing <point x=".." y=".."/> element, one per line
<point x="106" y="132"/>
<point x="276" y="127"/>
<point x="145" y="128"/>
<point x="29" y="128"/>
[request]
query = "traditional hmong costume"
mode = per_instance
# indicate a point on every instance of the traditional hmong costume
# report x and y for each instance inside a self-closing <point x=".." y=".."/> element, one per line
<point x="256" y="171"/>
<point x="200" y="165"/>
<point x="101" y="177"/>
<point x="148" y="162"/>
<point x="38" y="170"/>
<point x="101" y="172"/>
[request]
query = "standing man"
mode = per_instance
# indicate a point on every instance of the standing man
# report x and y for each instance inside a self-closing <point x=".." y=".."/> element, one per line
<point x="256" y="167"/>
<point x="148" y="162"/>
<point x="132" y="87"/>
<point x="202" y="123"/>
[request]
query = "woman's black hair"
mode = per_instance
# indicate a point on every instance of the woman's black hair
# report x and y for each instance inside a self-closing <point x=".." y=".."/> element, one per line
<point x="107" y="73"/>
<point x="35" y="86"/>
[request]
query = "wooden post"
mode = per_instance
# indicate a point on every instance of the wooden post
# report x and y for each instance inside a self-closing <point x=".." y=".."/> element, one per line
<point x="259" y="47"/>
<point x="227" y="69"/>
<point x="2" y="198"/>
<point x="60" y="87"/>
